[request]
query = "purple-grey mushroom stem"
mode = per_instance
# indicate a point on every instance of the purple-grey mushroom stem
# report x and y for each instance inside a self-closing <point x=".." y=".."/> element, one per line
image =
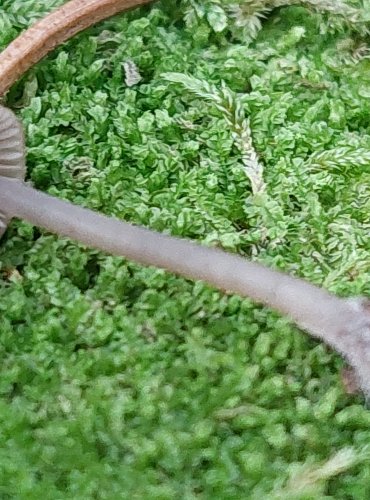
<point x="343" y="324"/>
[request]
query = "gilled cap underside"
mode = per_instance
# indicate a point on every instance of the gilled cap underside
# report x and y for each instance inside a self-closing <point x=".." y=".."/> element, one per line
<point x="12" y="157"/>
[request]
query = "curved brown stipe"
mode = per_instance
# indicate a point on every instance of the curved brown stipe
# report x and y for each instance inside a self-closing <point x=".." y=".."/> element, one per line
<point x="55" y="28"/>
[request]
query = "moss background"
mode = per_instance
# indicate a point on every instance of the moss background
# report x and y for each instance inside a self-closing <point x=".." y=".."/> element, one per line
<point x="118" y="381"/>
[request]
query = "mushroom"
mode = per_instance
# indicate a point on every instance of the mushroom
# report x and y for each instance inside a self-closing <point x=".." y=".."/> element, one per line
<point x="344" y="324"/>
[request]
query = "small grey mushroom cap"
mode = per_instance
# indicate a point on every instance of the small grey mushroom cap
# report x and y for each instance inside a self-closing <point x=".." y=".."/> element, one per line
<point x="12" y="155"/>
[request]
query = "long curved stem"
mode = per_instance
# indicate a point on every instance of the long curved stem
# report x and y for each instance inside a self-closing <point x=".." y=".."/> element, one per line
<point x="311" y="307"/>
<point x="54" y="29"/>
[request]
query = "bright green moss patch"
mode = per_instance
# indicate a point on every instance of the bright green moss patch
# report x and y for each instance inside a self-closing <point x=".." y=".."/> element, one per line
<point x="119" y="381"/>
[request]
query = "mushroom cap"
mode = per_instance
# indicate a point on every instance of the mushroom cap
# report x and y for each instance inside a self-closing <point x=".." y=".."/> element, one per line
<point x="12" y="154"/>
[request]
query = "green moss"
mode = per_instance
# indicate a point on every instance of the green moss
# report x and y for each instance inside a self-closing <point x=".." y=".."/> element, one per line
<point x="119" y="381"/>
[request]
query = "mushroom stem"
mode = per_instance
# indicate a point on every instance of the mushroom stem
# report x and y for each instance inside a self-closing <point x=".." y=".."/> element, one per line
<point x="336" y="321"/>
<point x="57" y="27"/>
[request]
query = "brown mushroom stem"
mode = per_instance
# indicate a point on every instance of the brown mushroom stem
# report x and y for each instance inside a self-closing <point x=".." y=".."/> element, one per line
<point x="54" y="29"/>
<point x="343" y="324"/>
